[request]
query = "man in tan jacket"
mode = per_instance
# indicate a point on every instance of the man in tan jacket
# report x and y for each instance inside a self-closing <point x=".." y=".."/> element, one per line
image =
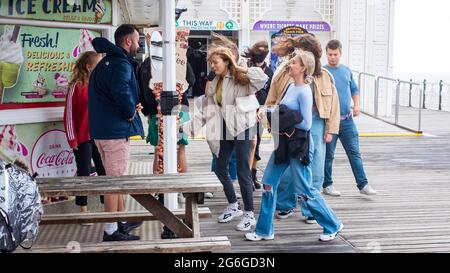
<point x="326" y="119"/>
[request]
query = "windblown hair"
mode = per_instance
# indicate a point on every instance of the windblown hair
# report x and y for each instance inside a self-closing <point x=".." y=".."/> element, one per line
<point x="80" y="71"/>
<point x="307" y="42"/>
<point x="227" y="56"/>
<point x="310" y="43"/>
<point x="285" y="46"/>
<point x="257" y="53"/>
<point x="218" y="40"/>
<point x="307" y="60"/>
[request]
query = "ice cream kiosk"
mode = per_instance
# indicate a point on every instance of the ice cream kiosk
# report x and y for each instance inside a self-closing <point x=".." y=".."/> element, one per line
<point x="40" y="41"/>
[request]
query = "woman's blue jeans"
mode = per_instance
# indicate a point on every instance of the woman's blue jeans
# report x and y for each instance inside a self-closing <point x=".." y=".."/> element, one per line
<point x="288" y="186"/>
<point x="312" y="198"/>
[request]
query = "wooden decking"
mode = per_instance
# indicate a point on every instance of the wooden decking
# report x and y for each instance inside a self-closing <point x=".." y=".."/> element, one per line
<point x="411" y="212"/>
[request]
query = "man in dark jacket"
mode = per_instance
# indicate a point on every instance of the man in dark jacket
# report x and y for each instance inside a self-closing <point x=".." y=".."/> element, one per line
<point x="114" y="115"/>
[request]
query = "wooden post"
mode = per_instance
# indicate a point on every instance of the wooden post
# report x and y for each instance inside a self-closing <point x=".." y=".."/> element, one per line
<point x="191" y="214"/>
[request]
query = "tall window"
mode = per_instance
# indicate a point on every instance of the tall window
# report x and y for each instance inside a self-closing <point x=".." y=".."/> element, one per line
<point x="257" y="9"/>
<point x="326" y="8"/>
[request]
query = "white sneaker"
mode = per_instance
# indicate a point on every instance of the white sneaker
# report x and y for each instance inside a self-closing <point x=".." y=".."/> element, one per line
<point x="330" y="237"/>
<point x="255" y="237"/>
<point x="247" y="221"/>
<point x="330" y="190"/>
<point x="367" y="190"/>
<point x="229" y="214"/>
<point x="209" y="195"/>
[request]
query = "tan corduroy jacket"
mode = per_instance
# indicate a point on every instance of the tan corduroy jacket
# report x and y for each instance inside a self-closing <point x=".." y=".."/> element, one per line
<point x="325" y="96"/>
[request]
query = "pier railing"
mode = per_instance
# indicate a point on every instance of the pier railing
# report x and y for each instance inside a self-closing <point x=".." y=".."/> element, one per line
<point x="400" y="102"/>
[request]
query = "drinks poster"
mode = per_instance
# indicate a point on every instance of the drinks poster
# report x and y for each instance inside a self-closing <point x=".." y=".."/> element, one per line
<point x="41" y="147"/>
<point x="76" y="11"/>
<point x="36" y="62"/>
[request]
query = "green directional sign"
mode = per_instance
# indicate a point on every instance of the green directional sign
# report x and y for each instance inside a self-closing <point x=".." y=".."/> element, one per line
<point x="229" y="25"/>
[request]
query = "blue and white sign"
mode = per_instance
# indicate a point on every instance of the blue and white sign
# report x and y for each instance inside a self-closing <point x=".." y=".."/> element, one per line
<point x="195" y="24"/>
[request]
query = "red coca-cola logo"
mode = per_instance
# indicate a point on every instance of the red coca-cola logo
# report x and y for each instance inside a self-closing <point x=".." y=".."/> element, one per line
<point x="52" y="155"/>
<point x="55" y="160"/>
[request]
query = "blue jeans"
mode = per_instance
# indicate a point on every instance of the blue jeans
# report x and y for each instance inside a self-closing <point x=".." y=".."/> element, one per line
<point x="348" y="135"/>
<point x="288" y="186"/>
<point x="231" y="166"/>
<point x="312" y="197"/>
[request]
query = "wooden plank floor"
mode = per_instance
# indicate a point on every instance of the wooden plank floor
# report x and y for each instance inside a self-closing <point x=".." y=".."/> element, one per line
<point x="411" y="212"/>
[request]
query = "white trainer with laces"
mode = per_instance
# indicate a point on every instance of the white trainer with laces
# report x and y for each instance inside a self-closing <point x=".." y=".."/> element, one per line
<point x="252" y="236"/>
<point x="330" y="237"/>
<point x="367" y="190"/>
<point x="331" y="191"/>
<point x="209" y="195"/>
<point x="247" y="221"/>
<point x="229" y="214"/>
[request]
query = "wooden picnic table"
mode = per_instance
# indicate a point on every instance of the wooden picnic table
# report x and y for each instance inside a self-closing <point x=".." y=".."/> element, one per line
<point x="142" y="188"/>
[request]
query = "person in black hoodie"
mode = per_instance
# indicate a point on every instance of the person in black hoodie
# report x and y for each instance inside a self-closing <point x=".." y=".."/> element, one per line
<point x="148" y="100"/>
<point x="256" y="56"/>
<point x="113" y="110"/>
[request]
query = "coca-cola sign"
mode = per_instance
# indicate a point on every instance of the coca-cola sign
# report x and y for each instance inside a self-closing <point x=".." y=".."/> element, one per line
<point x="52" y="155"/>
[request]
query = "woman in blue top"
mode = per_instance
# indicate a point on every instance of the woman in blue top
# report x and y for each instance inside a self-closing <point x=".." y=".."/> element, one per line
<point x="299" y="98"/>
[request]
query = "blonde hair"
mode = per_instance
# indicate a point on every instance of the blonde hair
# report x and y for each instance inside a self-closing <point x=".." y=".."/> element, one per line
<point x="308" y="61"/>
<point x="80" y="72"/>
<point x="227" y="56"/>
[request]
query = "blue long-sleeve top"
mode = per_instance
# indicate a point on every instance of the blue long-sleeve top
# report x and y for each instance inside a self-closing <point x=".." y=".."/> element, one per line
<point x="300" y="98"/>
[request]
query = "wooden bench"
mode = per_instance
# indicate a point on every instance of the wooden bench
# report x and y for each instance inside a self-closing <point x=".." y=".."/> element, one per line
<point x="142" y="188"/>
<point x="184" y="245"/>
<point x="108" y="217"/>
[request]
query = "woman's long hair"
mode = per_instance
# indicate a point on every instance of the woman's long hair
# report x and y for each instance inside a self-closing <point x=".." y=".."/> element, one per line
<point x="227" y="56"/>
<point x="80" y="72"/>
<point x="307" y="42"/>
<point x="310" y="43"/>
<point x="257" y="53"/>
<point x="218" y="40"/>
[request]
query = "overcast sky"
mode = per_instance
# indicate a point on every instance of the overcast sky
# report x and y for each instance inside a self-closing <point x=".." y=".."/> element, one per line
<point x="422" y="37"/>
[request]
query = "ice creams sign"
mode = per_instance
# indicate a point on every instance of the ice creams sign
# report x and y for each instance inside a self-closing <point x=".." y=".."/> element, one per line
<point x="81" y="11"/>
<point x="52" y="156"/>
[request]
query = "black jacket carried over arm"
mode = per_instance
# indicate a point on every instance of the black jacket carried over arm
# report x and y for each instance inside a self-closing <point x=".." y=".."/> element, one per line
<point x="147" y="98"/>
<point x="289" y="141"/>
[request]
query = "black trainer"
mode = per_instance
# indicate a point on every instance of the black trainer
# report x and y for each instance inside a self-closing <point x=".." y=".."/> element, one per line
<point x="168" y="234"/>
<point x="256" y="184"/>
<point x="128" y="226"/>
<point x="119" y="236"/>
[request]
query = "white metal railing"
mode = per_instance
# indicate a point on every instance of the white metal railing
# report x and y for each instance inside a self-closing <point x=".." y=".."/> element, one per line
<point x="395" y="100"/>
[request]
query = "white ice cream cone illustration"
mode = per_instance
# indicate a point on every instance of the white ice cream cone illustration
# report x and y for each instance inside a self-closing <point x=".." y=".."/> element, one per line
<point x="85" y="43"/>
<point x="99" y="11"/>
